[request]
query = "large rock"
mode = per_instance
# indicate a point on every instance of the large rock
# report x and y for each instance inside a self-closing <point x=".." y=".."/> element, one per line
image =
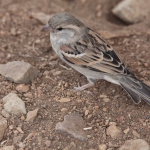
<point x="3" y="126"/>
<point x="138" y="144"/>
<point x="132" y="11"/>
<point x="18" y="71"/>
<point x="13" y="104"/>
<point x="73" y="125"/>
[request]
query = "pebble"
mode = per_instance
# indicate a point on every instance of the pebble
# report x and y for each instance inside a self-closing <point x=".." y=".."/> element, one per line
<point x="31" y="115"/>
<point x="130" y="10"/>
<point x="13" y="104"/>
<point x="18" y="71"/>
<point x="102" y="147"/>
<point x="138" y="144"/>
<point x="64" y="100"/>
<point x="22" y="88"/>
<point x="86" y="112"/>
<point x="57" y="73"/>
<point x="28" y="95"/>
<point x="20" y="130"/>
<point x="104" y="109"/>
<point x="135" y="134"/>
<point x="40" y="16"/>
<point x="13" y="31"/>
<point x="71" y="146"/>
<point x="48" y="143"/>
<point x="64" y="109"/>
<point x="106" y="100"/>
<point x="126" y="130"/>
<point x="3" y="126"/>
<point x="21" y="145"/>
<point x="113" y="131"/>
<point x="18" y="139"/>
<point x="5" y="113"/>
<point x="103" y="96"/>
<point x="73" y="125"/>
<point x="7" y="148"/>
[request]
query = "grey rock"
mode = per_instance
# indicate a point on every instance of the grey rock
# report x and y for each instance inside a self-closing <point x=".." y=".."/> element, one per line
<point x="132" y="11"/>
<point x="138" y="144"/>
<point x="73" y="125"/>
<point x="18" y="71"/>
<point x="13" y="104"/>
<point x="3" y="126"/>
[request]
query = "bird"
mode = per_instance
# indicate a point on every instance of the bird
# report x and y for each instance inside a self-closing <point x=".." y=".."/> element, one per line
<point x="88" y="53"/>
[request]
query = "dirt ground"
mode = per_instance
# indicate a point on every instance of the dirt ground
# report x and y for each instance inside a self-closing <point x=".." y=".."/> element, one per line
<point x="21" y="39"/>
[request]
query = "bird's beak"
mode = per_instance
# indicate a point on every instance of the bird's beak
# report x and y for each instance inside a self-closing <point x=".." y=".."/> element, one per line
<point x="46" y="27"/>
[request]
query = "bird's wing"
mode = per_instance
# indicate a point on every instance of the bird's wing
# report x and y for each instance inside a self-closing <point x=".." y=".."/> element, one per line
<point x="92" y="52"/>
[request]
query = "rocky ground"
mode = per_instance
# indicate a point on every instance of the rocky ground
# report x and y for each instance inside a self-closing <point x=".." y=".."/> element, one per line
<point x="39" y="110"/>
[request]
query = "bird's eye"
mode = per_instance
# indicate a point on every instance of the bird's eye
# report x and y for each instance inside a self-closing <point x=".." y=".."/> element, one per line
<point x="59" y="29"/>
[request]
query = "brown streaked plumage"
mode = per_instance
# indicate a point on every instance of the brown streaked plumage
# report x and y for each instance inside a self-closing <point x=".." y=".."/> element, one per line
<point x="85" y="51"/>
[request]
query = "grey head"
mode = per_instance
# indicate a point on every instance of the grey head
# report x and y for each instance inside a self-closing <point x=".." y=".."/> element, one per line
<point x="64" y="28"/>
<point x="61" y="20"/>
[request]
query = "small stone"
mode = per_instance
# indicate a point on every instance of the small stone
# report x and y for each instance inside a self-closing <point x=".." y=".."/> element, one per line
<point x="31" y="115"/>
<point x="3" y="126"/>
<point x="135" y="134"/>
<point x="48" y="143"/>
<point x="86" y="112"/>
<point x="71" y="146"/>
<point x="13" y="104"/>
<point x="22" y="88"/>
<point x="13" y="31"/>
<point x="28" y="95"/>
<point x="73" y="125"/>
<point x="11" y="127"/>
<point x="57" y="73"/>
<point x="64" y="109"/>
<point x="20" y="130"/>
<point x="18" y="71"/>
<point x="96" y="107"/>
<point x="83" y="2"/>
<point x="22" y="117"/>
<point x="7" y="148"/>
<point x="21" y="145"/>
<point x="102" y="147"/>
<point x="64" y="100"/>
<point x="17" y="139"/>
<point x="106" y="100"/>
<point x="42" y="17"/>
<point x="5" y="113"/>
<point x="137" y="144"/>
<point x="104" y="109"/>
<point x="113" y="131"/>
<point x="103" y="96"/>
<point x="126" y="130"/>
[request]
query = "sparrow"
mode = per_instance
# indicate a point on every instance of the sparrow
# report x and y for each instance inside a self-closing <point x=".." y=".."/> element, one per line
<point x="87" y="52"/>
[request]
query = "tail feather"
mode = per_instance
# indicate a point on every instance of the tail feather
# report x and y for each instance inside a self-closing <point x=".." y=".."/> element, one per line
<point x="136" y="89"/>
<point x="136" y="99"/>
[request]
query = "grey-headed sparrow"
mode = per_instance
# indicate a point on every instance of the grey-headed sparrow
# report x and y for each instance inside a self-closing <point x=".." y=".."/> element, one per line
<point x="85" y="51"/>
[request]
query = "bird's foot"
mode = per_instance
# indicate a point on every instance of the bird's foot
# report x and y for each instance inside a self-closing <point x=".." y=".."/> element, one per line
<point x="82" y="88"/>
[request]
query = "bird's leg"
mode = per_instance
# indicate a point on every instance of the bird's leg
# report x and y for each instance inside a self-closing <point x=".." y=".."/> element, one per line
<point x="81" y="88"/>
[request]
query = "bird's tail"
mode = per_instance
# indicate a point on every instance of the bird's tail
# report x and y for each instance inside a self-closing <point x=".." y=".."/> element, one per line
<point x="136" y="89"/>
